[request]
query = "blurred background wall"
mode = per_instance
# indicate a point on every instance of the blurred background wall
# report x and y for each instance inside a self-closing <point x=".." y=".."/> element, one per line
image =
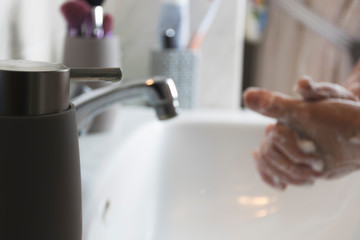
<point x="35" y="30"/>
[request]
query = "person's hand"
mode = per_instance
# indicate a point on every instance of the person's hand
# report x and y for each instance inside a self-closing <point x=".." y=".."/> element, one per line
<point x="310" y="90"/>
<point x="285" y="158"/>
<point x="333" y="125"/>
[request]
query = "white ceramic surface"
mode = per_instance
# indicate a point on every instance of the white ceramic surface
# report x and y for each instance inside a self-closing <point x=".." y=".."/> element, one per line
<point x="194" y="178"/>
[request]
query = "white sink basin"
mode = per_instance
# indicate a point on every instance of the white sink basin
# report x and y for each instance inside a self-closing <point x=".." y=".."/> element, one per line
<point x="194" y="178"/>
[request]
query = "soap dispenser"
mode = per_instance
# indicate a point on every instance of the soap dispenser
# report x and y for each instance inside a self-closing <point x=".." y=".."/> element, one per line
<point x="40" y="184"/>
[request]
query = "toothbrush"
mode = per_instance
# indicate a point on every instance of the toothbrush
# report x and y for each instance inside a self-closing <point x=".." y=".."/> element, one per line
<point x="75" y="13"/>
<point x="95" y="23"/>
<point x="199" y="35"/>
<point x="169" y="39"/>
<point x="174" y="14"/>
<point x="108" y="25"/>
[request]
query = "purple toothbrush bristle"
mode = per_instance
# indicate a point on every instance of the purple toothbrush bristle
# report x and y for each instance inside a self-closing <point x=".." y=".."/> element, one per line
<point x="75" y="13"/>
<point x="108" y="25"/>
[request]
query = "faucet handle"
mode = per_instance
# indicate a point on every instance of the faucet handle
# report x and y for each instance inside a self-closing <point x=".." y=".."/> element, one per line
<point x="95" y="74"/>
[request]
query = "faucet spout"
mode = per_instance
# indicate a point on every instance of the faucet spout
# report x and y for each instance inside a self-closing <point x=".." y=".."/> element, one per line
<point x="159" y="93"/>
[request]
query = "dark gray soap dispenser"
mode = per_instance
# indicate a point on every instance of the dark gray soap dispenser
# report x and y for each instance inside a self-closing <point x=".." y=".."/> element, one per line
<point x="40" y="184"/>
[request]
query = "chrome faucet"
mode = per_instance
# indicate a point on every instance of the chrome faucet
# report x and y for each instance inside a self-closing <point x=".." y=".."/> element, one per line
<point x="159" y="93"/>
<point x="40" y="183"/>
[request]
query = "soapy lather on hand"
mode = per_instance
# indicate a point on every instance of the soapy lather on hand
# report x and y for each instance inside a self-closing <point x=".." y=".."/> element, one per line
<point x="316" y="136"/>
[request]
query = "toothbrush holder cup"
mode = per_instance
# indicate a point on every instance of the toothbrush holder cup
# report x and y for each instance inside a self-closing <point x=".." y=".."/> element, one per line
<point x="182" y="65"/>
